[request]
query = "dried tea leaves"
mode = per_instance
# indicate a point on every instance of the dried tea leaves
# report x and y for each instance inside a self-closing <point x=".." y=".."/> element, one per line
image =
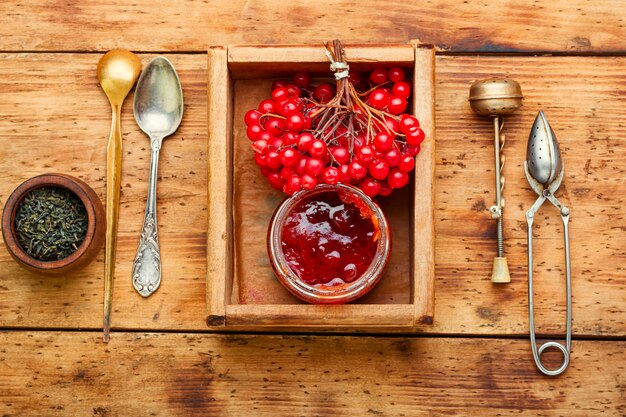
<point x="50" y="223"/>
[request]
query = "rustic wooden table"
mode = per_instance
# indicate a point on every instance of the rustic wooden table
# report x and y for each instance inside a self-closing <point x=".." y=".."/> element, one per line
<point x="568" y="56"/>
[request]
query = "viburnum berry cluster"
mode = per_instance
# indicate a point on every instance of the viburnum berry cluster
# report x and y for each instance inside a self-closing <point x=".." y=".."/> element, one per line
<point x="355" y="132"/>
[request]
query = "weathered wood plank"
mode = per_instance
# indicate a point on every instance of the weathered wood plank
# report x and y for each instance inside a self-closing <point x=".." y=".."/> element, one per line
<point x="491" y="26"/>
<point x="49" y="108"/>
<point x="54" y="118"/>
<point x="47" y="373"/>
<point x="585" y="103"/>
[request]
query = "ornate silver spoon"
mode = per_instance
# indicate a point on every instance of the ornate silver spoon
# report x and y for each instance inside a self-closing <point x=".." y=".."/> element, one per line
<point x="158" y="111"/>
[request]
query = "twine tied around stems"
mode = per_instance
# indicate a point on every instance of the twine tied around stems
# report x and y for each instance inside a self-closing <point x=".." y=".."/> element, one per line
<point x="340" y="67"/>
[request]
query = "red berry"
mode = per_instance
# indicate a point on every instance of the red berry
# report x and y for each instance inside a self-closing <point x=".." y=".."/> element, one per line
<point x="279" y="94"/>
<point x="275" y="180"/>
<point x="260" y="159"/>
<point x="383" y="142"/>
<point x="254" y="131"/>
<point x="397" y="178"/>
<point x="414" y="136"/>
<point x="314" y="166"/>
<point x="308" y="182"/>
<point x="267" y="106"/>
<point x="293" y="185"/>
<point x="378" y="76"/>
<point x="266" y="171"/>
<point x="395" y="74"/>
<point x="304" y="141"/>
<point x="379" y="169"/>
<point x="295" y="122"/>
<point x="302" y="79"/>
<point x="264" y="135"/>
<point x="289" y="157"/>
<point x="275" y="126"/>
<point x="396" y="104"/>
<point x="341" y="155"/>
<point x="370" y="186"/>
<point x="317" y="148"/>
<point x="273" y="160"/>
<point x="355" y="78"/>
<point x="365" y="155"/>
<point x="393" y="157"/>
<point x="402" y="89"/>
<point x="276" y="142"/>
<point x="323" y="92"/>
<point x="290" y="138"/>
<point x="359" y="141"/>
<point x="293" y="90"/>
<point x="279" y="83"/>
<point x="357" y="171"/>
<point x="385" y="190"/>
<point x="379" y="98"/>
<point x="412" y="150"/>
<point x="252" y="117"/>
<point x="331" y="175"/>
<point x="344" y="174"/>
<point x="307" y="123"/>
<point x="288" y="107"/>
<point x="407" y="163"/>
<point x="391" y="126"/>
<point x="407" y="121"/>
<point x="301" y="166"/>
<point x="260" y="145"/>
<point x="287" y="172"/>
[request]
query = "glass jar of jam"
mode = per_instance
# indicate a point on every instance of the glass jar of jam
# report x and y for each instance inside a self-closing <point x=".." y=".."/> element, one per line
<point x="329" y="245"/>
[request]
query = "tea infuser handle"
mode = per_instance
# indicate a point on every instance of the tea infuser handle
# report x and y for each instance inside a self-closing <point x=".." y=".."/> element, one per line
<point x="538" y="351"/>
<point x="147" y="264"/>
<point x="500" y="271"/>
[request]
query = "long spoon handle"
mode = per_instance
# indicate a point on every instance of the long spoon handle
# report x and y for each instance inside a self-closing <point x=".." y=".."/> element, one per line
<point x="114" y="174"/>
<point x="147" y="265"/>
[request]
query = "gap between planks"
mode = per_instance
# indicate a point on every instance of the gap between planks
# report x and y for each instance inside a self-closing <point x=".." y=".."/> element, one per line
<point x="396" y="335"/>
<point x="438" y="51"/>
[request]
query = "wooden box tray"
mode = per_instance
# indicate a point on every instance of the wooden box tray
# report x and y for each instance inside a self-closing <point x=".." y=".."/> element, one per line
<point x="242" y="291"/>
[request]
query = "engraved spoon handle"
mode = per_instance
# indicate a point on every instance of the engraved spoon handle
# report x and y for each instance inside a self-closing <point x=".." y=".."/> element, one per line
<point x="147" y="264"/>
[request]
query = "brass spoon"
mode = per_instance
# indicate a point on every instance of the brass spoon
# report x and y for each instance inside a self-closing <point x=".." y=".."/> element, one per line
<point x="118" y="71"/>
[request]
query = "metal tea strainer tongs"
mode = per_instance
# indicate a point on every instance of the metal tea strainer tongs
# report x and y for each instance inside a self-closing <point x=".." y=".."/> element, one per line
<point x="544" y="170"/>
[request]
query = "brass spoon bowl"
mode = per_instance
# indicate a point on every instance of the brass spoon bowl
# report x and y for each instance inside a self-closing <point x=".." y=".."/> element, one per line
<point x="495" y="97"/>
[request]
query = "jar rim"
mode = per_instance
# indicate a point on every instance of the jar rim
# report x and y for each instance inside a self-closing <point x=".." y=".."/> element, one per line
<point x="321" y="294"/>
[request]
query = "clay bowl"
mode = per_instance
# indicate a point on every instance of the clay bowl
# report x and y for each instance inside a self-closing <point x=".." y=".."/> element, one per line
<point x="96" y="225"/>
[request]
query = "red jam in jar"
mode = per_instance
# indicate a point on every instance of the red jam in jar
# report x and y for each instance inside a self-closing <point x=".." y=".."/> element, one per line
<point x="328" y="239"/>
<point x="329" y="245"/>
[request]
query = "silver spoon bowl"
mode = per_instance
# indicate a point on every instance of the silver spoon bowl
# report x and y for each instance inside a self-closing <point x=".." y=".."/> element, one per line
<point x="158" y="108"/>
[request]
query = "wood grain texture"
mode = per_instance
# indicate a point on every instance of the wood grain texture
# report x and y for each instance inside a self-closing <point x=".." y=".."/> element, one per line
<point x="423" y="204"/>
<point x="489" y="26"/>
<point x="47" y="373"/>
<point x="60" y="115"/>
<point x="55" y="118"/>
<point x="585" y="103"/>
<point x="219" y="183"/>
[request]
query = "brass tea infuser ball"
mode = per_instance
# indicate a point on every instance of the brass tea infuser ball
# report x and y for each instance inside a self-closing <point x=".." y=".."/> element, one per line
<point x="495" y="97"/>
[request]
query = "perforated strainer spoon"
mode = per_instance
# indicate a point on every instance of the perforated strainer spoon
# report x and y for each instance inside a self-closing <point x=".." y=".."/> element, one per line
<point x="544" y="170"/>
